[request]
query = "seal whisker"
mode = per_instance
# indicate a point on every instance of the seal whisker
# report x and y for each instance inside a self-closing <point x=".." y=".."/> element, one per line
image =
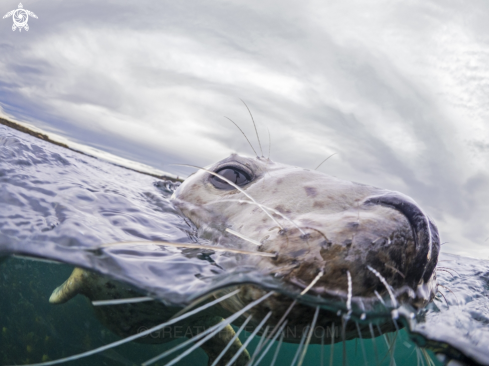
<point x="193" y="304"/>
<point x="380" y="298"/>
<point x="361" y="343"/>
<point x="387" y="353"/>
<point x="324" y="161"/>
<point x="348" y="300"/>
<point x="448" y="289"/>
<point x="322" y="348"/>
<point x="441" y="293"/>
<point x="393" y="347"/>
<point x="209" y="333"/>
<point x="273" y="334"/>
<point x="35" y="259"/>
<point x="309" y="336"/>
<point x="236" y="335"/>
<point x="235" y="233"/>
<point x="206" y="335"/>
<point x="316" y="279"/>
<point x="235" y="186"/>
<point x="419" y="357"/>
<point x="395" y="324"/>
<point x="427" y="357"/>
<point x="383" y="280"/>
<point x="389" y="343"/>
<point x="269" y="144"/>
<point x="395" y="270"/>
<point x="142" y="334"/>
<point x="188" y="245"/>
<point x="372" y="334"/>
<point x="278" y="348"/>
<point x="265" y="207"/>
<point x="343" y="338"/>
<point x="259" y="345"/>
<point x="282" y="319"/>
<point x="122" y="301"/>
<point x="243" y="135"/>
<point x="346" y="317"/>
<point x="270" y="343"/>
<point x="445" y="269"/>
<point x="301" y="345"/>
<point x="333" y="334"/>
<point x="250" y="338"/>
<point x="378" y="328"/>
<point x="254" y="124"/>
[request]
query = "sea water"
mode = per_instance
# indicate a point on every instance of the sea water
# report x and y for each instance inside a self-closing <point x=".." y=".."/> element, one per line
<point x="54" y="203"/>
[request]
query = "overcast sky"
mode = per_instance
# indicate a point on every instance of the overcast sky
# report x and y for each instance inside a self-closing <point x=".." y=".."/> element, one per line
<point x="399" y="90"/>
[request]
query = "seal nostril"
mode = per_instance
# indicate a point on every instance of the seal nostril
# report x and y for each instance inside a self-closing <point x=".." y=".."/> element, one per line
<point x="425" y="233"/>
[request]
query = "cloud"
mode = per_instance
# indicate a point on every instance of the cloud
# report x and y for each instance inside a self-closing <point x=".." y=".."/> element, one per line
<point x="398" y="91"/>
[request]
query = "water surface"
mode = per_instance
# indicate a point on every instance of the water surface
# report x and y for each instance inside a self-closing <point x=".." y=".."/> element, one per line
<point x="60" y="205"/>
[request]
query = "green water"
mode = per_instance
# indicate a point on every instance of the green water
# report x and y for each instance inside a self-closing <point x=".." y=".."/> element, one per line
<point x="32" y="330"/>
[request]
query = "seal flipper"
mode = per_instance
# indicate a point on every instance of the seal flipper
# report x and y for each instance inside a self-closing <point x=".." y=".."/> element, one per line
<point x="70" y="288"/>
<point x="116" y="319"/>
<point x="216" y="344"/>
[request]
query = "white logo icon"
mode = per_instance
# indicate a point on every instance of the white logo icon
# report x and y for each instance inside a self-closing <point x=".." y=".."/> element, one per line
<point x="20" y="16"/>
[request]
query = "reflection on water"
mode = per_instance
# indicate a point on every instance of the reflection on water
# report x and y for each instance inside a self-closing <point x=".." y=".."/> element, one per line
<point x="57" y="203"/>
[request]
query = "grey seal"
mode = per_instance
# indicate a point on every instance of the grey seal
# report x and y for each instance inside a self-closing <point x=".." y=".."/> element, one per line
<point x="320" y="235"/>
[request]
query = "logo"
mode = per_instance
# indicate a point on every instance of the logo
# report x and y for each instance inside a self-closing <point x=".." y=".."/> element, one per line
<point x="20" y="17"/>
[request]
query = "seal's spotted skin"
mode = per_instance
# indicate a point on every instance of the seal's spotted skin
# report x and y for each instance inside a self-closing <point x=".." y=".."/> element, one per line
<point x="354" y="243"/>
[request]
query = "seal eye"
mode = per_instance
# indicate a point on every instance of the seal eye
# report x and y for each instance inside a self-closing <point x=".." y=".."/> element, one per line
<point x="235" y="175"/>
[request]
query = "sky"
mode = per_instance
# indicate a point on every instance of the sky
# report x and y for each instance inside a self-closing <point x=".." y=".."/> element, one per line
<point x="399" y="90"/>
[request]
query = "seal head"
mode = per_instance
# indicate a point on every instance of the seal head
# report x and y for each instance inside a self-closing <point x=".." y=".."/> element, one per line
<point x="320" y="229"/>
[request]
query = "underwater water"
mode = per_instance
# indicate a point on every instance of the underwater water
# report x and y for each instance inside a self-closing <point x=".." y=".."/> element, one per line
<point x="60" y="205"/>
<point x="34" y="330"/>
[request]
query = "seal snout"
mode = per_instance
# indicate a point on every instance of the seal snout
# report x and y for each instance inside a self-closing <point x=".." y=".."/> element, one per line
<point x="425" y="234"/>
<point x="364" y="241"/>
<point x="388" y="233"/>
